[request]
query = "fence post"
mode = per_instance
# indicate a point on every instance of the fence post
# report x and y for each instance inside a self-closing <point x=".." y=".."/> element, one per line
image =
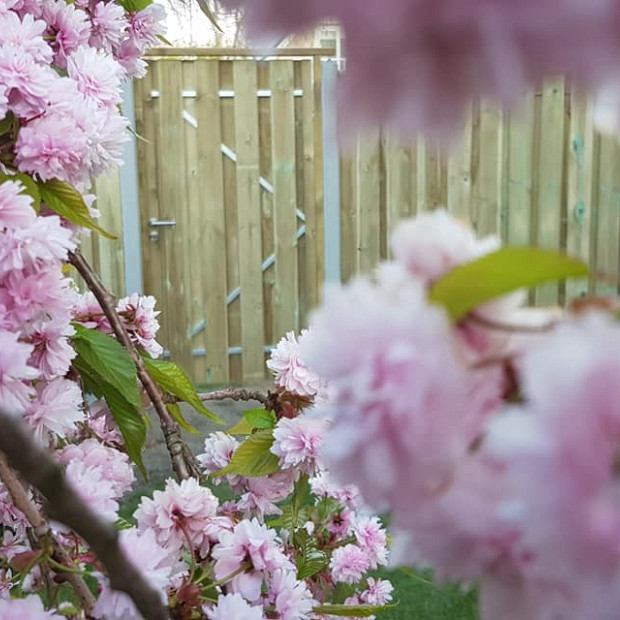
<point x="130" y="204"/>
<point x="331" y="173"/>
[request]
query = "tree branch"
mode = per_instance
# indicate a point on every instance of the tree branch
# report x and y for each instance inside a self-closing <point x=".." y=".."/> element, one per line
<point x="183" y="461"/>
<point x="42" y="535"/>
<point x="237" y="394"/>
<point x="38" y="468"/>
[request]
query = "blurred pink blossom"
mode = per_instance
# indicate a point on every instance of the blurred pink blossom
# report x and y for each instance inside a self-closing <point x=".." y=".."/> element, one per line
<point x="28" y="608"/>
<point x="234" y="607"/>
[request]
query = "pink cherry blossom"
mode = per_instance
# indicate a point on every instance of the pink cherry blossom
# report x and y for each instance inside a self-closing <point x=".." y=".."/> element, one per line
<point x="234" y="607"/>
<point x="96" y="74"/>
<point x="179" y="514"/>
<point x="434" y="242"/>
<point x="115" y="465"/>
<point x="28" y="608"/>
<point x="371" y="537"/>
<point x="263" y="493"/>
<point x="152" y="560"/>
<point x="322" y="485"/>
<point x="348" y="564"/>
<point x="400" y="396"/>
<point x="291" y="373"/>
<point x="16" y="209"/>
<point x="378" y="592"/>
<point x="87" y="311"/>
<point x="94" y="488"/>
<point x="139" y="315"/>
<point x="255" y="544"/>
<point x="146" y="26"/>
<point x="56" y="409"/>
<point x="69" y="27"/>
<point x="15" y="373"/>
<point x="297" y="442"/>
<point x="52" y="352"/>
<point x="26" y="35"/>
<point x="108" y="25"/>
<point x="290" y="597"/>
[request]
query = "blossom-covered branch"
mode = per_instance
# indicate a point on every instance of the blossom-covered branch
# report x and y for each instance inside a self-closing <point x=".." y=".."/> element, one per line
<point x="38" y="468"/>
<point x="182" y="459"/>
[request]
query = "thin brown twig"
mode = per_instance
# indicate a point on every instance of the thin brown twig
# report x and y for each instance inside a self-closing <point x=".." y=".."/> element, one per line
<point x="41" y="531"/>
<point x="183" y="461"/>
<point x="63" y="504"/>
<point x="237" y="394"/>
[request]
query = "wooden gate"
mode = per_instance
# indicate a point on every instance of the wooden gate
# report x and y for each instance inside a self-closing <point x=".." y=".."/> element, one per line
<point x="230" y="182"/>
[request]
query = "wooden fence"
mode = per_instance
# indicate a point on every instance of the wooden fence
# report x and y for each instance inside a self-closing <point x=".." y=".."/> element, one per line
<point x="232" y="153"/>
<point x="542" y="177"/>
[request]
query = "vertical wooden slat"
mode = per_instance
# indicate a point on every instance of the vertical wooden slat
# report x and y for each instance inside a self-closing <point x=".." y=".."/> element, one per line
<point x="173" y="197"/>
<point x="608" y="220"/>
<point x="286" y="309"/>
<point x="348" y="217"/>
<point x="486" y="188"/>
<point x="368" y="200"/>
<point x="310" y="205"/>
<point x="249" y="219"/>
<point x="317" y="72"/>
<point x="459" y="171"/>
<point x="211" y="185"/>
<point x="550" y="179"/>
<point x="579" y="207"/>
<point x="519" y="198"/>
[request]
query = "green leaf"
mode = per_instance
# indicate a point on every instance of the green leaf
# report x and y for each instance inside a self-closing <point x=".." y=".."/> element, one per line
<point x="29" y="187"/>
<point x="163" y="39"/>
<point x="135" y="6"/>
<point x="6" y="124"/>
<point x="241" y="428"/>
<point x="177" y="416"/>
<point x="351" y="611"/>
<point x="260" y="418"/>
<point x="499" y="273"/>
<point x="300" y="493"/>
<point x="110" y="360"/>
<point x="127" y="416"/>
<point x="68" y="202"/>
<point x="312" y="562"/>
<point x="173" y="379"/>
<point x="253" y="458"/>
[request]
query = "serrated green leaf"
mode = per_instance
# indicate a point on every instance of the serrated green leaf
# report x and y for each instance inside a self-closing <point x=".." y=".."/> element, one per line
<point x="127" y="416"/>
<point x="109" y="359"/>
<point x="173" y="379"/>
<point x="501" y="272"/>
<point x="313" y="562"/>
<point x="253" y="458"/>
<point x="240" y="428"/>
<point x="260" y="418"/>
<point x="351" y="611"/>
<point x="30" y="188"/>
<point x="177" y="416"/>
<point x="300" y="493"/>
<point x="65" y="200"/>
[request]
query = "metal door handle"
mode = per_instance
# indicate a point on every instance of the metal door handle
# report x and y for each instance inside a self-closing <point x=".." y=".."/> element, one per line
<point x="155" y="222"/>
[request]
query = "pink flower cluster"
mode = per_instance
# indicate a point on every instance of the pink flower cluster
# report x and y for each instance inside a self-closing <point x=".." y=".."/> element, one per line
<point x="136" y="311"/>
<point x="426" y="60"/>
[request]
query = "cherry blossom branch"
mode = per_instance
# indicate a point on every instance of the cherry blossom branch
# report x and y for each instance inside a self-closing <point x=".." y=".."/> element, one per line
<point x="41" y="531"/>
<point x="238" y="394"/>
<point x="183" y="461"/>
<point x="38" y="468"/>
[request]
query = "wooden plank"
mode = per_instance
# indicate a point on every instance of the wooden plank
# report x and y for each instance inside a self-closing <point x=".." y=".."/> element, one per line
<point x="486" y="189"/>
<point x="579" y="208"/>
<point x="459" y="171"/>
<point x="239" y="52"/>
<point x="111" y="256"/>
<point x="608" y="219"/>
<point x="249" y="220"/>
<point x="172" y="196"/>
<point x="153" y="252"/>
<point x="212" y="221"/>
<point x="551" y="178"/>
<point x="308" y="198"/>
<point x="348" y="217"/>
<point x="317" y="72"/>
<point x="401" y="181"/>
<point x="368" y="197"/>
<point x="520" y="151"/>
<point x="286" y="310"/>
